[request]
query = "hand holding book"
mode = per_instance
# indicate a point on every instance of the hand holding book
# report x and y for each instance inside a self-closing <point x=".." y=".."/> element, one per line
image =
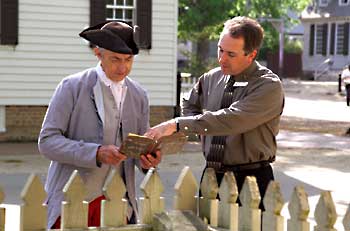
<point x="136" y="145"/>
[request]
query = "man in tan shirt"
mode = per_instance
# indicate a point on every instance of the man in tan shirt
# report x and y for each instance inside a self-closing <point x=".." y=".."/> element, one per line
<point x="235" y="108"/>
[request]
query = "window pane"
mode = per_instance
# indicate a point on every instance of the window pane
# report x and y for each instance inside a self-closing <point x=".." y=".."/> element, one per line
<point x="109" y="13"/>
<point x="130" y="2"/>
<point x="110" y="2"/>
<point x="128" y="14"/>
<point x="340" y="38"/>
<point x="319" y="39"/>
<point x="119" y="14"/>
<point x="120" y="10"/>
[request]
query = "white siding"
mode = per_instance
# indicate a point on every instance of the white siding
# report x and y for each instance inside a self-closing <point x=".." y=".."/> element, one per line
<point x="49" y="49"/>
<point x="156" y="69"/>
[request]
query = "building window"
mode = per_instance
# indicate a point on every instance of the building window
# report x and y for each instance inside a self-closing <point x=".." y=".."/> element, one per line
<point x="340" y="39"/>
<point x="121" y="10"/>
<point x="319" y="39"/>
<point x="344" y="2"/>
<point x="2" y="118"/>
<point x="323" y="2"/>
<point x="135" y="12"/>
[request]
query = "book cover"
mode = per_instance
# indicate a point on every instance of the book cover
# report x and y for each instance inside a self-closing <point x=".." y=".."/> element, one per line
<point x="135" y="145"/>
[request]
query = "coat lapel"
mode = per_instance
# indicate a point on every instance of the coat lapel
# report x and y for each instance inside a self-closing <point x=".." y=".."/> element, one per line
<point x="98" y="97"/>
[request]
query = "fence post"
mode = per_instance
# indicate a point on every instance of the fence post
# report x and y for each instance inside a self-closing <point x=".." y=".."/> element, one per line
<point x="346" y="220"/>
<point x="299" y="209"/>
<point x="325" y="214"/>
<point x="273" y="203"/>
<point x="33" y="212"/>
<point x="208" y="204"/>
<point x="152" y="203"/>
<point x="74" y="213"/>
<point x="114" y="208"/>
<point x="249" y="212"/>
<point x="186" y="188"/>
<point x="228" y="208"/>
<point x="2" y="211"/>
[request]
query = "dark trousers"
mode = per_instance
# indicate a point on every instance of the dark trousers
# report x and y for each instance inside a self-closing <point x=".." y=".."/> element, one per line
<point x="263" y="177"/>
<point x="347" y="89"/>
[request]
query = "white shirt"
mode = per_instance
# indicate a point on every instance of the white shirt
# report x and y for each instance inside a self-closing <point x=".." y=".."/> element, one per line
<point x="345" y="76"/>
<point x="118" y="88"/>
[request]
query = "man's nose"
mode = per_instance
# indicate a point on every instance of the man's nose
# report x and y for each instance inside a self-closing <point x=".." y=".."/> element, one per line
<point x="222" y="57"/>
<point x="122" y="67"/>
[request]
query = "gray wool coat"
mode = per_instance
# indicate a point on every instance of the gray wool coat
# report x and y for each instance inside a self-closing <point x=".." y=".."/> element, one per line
<point x="73" y="130"/>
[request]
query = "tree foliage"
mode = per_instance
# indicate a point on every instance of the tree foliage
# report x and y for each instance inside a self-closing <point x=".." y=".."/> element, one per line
<point x="202" y="20"/>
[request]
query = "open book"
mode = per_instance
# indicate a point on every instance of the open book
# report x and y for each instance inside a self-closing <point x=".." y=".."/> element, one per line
<point x="136" y="145"/>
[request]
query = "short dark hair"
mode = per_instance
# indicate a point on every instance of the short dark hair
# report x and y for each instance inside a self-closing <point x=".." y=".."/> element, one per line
<point x="247" y="28"/>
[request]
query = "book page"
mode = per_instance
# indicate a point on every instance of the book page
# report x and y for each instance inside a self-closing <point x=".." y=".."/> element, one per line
<point x="135" y="145"/>
<point x="172" y="144"/>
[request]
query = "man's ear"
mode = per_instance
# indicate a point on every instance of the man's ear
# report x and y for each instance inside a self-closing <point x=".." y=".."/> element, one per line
<point x="252" y="55"/>
<point x="97" y="52"/>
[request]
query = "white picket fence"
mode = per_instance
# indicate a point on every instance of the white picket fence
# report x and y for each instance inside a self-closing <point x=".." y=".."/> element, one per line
<point x="220" y="215"/>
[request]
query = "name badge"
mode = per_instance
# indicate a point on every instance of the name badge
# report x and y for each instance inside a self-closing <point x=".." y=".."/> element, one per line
<point x="240" y="84"/>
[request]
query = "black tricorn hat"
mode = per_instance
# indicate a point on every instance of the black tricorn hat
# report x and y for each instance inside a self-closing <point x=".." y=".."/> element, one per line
<point x="116" y="36"/>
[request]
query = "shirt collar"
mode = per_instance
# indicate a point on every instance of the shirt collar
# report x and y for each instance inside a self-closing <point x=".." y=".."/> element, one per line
<point x="247" y="73"/>
<point x="107" y="81"/>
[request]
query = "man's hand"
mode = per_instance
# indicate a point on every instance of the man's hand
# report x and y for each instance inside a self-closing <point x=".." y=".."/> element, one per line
<point x="147" y="161"/>
<point x="109" y="154"/>
<point x="164" y="129"/>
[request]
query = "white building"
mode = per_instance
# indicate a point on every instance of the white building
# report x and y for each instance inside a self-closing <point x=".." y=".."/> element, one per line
<point x="326" y="38"/>
<point x="39" y="45"/>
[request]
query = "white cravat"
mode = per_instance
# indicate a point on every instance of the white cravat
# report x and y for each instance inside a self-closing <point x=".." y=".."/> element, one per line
<point x="117" y="88"/>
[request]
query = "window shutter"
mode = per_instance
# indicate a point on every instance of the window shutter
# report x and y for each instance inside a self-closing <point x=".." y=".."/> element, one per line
<point x="346" y="39"/>
<point x="97" y="12"/>
<point x="324" y="39"/>
<point x="9" y="22"/>
<point x="332" y="45"/>
<point x="312" y="40"/>
<point x="144" y="21"/>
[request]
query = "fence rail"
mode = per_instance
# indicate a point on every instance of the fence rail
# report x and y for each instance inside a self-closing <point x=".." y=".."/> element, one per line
<point x="223" y="214"/>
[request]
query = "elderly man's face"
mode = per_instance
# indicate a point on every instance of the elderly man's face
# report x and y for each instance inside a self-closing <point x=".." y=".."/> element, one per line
<point x="116" y="65"/>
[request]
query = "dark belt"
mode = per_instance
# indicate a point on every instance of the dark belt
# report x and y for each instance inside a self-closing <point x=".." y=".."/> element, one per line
<point x="220" y="168"/>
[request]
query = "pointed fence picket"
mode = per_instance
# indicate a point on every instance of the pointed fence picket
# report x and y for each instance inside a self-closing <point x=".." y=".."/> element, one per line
<point x="249" y="213"/>
<point x="223" y="214"/>
<point x="186" y="189"/>
<point x="208" y="204"/>
<point x="114" y="191"/>
<point x="273" y="203"/>
<point x="228" y="193"/>
<point x="33" y="212"/>
<point x="299" y="210"/>
<point x="74" y="207"/>
<point x="152" y="202"/>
